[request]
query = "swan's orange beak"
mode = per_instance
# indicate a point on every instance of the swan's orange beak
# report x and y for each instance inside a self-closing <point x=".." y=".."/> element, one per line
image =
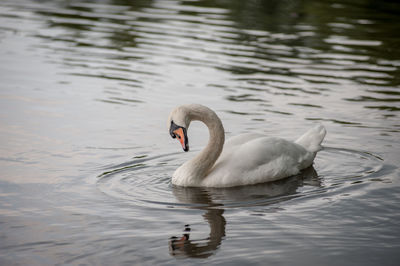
<point x="180" y="134"/>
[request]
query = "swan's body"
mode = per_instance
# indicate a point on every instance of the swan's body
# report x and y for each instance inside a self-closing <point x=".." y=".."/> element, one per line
<point x="243" y="160"/>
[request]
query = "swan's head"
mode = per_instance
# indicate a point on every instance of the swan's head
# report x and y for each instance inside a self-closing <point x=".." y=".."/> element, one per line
<point x="178" y="123"/>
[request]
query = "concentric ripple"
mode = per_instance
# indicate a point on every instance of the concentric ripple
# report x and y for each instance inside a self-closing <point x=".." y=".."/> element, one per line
<point x="146" y="182"/>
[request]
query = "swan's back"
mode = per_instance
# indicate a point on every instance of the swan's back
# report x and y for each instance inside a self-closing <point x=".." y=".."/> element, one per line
<point x="253" y="158"/>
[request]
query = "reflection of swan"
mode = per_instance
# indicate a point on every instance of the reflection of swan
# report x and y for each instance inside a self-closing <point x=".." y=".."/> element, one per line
<point x="243" y="160"/>
<point x="213" y="200"/>
<point x="199" y="248"/>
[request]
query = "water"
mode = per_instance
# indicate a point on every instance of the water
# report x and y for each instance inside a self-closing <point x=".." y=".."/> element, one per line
<point x="86" y="158"/>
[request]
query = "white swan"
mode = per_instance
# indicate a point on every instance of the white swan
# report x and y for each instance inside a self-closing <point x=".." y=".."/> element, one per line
<point x="243" y="160"/>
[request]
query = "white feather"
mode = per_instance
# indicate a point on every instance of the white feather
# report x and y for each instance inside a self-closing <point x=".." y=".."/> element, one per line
<point x="245" y="159"/>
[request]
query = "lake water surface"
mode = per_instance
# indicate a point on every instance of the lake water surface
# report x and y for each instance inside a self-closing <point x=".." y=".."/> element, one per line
<point x="86" y="158"/>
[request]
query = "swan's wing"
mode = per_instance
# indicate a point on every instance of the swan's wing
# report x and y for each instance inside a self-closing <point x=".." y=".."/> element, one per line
<point x="258" y="151"/>
<point x="239" y="140"/>
<point x="260" y="160"/>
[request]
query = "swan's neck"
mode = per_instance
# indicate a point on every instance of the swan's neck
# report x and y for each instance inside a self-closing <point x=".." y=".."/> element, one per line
<point x="194" y="171"/>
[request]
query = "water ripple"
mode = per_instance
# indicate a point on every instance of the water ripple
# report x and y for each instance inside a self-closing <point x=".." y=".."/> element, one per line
<point x="146" y="182"/>
<point x="131" y="46"/>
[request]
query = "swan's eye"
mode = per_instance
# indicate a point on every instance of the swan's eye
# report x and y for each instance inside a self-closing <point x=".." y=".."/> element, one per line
<point x="179" y="137"/>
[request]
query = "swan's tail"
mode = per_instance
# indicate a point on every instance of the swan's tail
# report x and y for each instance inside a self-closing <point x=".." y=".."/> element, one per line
<point x="311" y="140"/>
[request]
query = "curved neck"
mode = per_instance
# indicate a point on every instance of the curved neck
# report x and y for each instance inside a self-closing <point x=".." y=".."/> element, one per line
<point x="204" y="161"/>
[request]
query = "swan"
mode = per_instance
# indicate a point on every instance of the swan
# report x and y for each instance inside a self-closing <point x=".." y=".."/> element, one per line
<point x="245" y="159"/>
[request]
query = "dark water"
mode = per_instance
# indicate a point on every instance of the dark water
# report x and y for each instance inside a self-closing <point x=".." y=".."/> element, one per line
<point x="86" y="158"/>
